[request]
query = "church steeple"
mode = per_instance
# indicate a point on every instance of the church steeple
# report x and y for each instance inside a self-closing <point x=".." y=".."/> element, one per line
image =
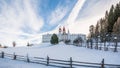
<point x="64" y="31"/>
<point x="60" y="30"/>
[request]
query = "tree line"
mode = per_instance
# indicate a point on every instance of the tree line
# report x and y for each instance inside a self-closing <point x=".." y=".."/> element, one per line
<point x="108" y="25"/>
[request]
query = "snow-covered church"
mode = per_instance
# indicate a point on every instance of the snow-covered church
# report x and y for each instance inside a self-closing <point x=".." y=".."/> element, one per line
<point x="63" y="35"/>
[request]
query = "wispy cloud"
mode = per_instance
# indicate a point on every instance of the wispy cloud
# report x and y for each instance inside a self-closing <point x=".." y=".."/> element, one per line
<point x="95" y="8"/>
<point x="74" y="13"/>
<point x="86" y="13"/>
<point x="93" y="12"/>
<point x="16" y="15"/>
<point x="57" y="15"/>
<point x="70" y="21"/>
<point x="90" y="12"/>
<point x="24" y="20"/>
<point x="34" y="21"/>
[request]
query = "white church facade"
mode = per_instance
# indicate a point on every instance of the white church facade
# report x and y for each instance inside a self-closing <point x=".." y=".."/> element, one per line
<point x="63" y="36"/>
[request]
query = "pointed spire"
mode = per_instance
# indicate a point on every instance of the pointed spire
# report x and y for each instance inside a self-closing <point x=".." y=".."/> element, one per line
<point x="60" y="29"/>
<point x="64" y="31"/>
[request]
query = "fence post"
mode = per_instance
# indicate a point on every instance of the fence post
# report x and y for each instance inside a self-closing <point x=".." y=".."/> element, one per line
<point x="70" y="62"/>
<point x="2" y="55"/>
<point x="47" y="60"/>
<point x="28" y="60"/>
<point x="102" y="63"/>
<point x="14" y="56"/>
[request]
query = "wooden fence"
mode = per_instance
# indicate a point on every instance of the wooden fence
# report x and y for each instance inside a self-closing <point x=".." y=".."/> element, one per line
<point x="103" y="47"/>
<point x="56" y="62"/>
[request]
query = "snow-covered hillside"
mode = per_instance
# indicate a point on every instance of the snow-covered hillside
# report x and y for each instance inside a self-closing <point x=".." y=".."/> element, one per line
<point x="64" y="52"/>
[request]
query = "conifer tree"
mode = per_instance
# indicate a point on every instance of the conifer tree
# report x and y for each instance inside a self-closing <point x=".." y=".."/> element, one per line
<point x="111" y="19"/>
<point x="54" y="39"/>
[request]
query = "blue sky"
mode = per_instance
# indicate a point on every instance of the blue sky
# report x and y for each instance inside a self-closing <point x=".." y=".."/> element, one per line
<point x="46" y="10"/>
<point x="26" y="20"/>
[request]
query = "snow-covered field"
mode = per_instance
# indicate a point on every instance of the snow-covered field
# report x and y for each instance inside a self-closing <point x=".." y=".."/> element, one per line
<point x="6" y="63"/>
<point x="60" y="51"/>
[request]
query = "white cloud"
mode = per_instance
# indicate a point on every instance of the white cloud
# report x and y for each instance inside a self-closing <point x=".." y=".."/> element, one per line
<point x="34" y="22"/>
<point x="57" y="15"/>
<point x="70" y="22"/>
<point x="13" y="18"/>
<point x="93" y="8"/>
<point x="17" y="16"/>
<point x="82" y="26"/>
<point x="92" y="13"/>
<point x="75" y="11"/>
